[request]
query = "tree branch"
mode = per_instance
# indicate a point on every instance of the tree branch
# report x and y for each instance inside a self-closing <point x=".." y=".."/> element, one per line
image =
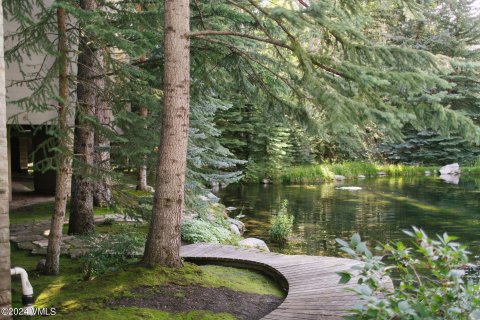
<point x="239" y="34"/>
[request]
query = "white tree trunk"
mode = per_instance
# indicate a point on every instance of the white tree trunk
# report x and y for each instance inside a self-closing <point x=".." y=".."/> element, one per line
<point x="5" y="291"/>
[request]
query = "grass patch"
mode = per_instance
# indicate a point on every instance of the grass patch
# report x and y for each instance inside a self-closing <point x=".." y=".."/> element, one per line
<point x="43" y="211"/>
<point x="326" y="172"/>
<point x="75" y="298"/>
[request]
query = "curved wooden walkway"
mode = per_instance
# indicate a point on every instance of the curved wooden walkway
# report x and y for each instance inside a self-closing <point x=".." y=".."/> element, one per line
<point x="311" y="281"/>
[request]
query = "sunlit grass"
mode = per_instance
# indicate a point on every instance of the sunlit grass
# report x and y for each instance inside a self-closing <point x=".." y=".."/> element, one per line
<point x="326" y="172"/>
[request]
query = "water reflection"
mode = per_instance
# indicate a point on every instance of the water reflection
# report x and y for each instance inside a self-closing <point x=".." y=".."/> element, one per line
<point x="378" y="212"/>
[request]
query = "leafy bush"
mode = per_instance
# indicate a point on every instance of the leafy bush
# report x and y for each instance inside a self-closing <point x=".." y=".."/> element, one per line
<point x="282" y="224"/>
<point x="108" y="252"/>
<point x="430" y="278"/>
<point x="199" y="230"/>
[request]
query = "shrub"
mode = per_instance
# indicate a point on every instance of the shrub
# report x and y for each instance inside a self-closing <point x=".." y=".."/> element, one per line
<point x="282" y="224"/>
<point x="109" y="252"/>
<point x="430" y="278"/>
<point x="200" y="230"/>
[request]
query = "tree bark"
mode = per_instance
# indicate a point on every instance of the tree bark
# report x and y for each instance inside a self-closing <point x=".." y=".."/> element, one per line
<point x="81" y="213"/>
<point x="5" y="286"/>
<point x="163" y="242"/>
<point x="142" y="169"/>
<point x="63" y="159"/>
<point x="143" y="112"/>
<point x="102" y="194"/>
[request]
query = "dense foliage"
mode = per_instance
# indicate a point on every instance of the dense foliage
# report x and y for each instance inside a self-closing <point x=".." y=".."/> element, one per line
<point x="430" y="279"/>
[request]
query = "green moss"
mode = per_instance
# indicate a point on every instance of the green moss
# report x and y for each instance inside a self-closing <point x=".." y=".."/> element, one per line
<point x="142" y="313"/>
<point x="37" y="212"/>
<point x="76" y="299"/>
<point x="43" y="211"/>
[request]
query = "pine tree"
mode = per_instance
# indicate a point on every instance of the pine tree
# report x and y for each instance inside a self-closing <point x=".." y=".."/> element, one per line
<point x="89" y="84"/>
<point x="52" y="265"/>
<point x="163" y="241"/>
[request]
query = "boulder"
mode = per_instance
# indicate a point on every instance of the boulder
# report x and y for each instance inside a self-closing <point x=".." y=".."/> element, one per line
<point x="338" y="177"/>
<point x="451" y="169"/>
<point x="382" y="173"/>
<point x="361" y="176"/>
<point x="235" y="230"/>
<point x="266" y="181"/>
<point x="212" y="197"/>
<point x="427" y="173"/>
<point x="239" y="224"/>
<point x="254" y="243"/>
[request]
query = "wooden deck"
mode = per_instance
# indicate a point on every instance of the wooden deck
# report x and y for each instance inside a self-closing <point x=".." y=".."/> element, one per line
<point x="311" y="281"/>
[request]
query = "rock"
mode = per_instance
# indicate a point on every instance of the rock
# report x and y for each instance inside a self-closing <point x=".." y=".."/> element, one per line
<point x="338" y="177"/>
<point x="239" y="224"/>
<point x="230" y="208"/>
<point x="449" y="178"/>
<point x="203" y="198"/>
<point x="382" y="173"/>
<point x="41" y="243"/>
<point x="235" y="230"/>
<point x="349" y="188"/>
<point x="212" y="197"/>
<point x="451" y="169"/>
<point x="150" y="189"/>
<point x="427" y="173"/>
<point x="41" y="265"/>
<point x="266" y="181"/>
<point x="254" y="243"/>
<point x="361" y="176"/>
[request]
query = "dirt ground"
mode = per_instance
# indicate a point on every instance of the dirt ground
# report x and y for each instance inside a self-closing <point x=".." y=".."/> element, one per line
<point x="175" y="298"/>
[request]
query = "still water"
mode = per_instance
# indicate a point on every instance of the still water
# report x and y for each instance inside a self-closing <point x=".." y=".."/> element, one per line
<point x="378" y="212"/>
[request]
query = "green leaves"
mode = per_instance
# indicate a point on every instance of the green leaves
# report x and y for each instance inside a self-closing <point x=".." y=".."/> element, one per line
<point x="430" y="279"/>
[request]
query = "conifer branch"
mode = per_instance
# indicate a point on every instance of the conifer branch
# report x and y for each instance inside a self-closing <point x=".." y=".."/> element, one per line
<point x="239" y="34"/>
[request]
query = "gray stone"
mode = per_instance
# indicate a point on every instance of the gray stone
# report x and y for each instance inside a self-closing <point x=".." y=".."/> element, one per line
<point x="266" y="181"/>
<point x="230" y="208"/>
<point x="451" y="169"/>
<point x="235" y="230"/>
<point x="382" y="173"/>
<point x="26" y="245"/>
<point x="212" y="197"/>
<point x="427" y="173"/>
<point x="239" y="224"/>
<point x="361" y="176"/>
<point x="41" y="243"/>
<point x="41" y="265"/>
<point x="254" y="243"/>
<point x="150" y="189"/>
<point x="338" y="177"/>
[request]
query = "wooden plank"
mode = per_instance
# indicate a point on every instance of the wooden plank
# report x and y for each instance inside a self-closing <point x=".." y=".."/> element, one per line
<point x="314" y="291"/>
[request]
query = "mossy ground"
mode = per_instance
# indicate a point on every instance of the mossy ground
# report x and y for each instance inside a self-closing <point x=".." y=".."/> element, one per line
<point x="43" y="211"/>
<point x="75" y="298"/>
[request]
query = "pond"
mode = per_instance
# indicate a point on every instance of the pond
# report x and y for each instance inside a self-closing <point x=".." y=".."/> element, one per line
<point x="378" y="212"/>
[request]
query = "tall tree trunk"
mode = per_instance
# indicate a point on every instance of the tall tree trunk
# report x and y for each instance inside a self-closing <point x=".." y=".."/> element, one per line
<point x="5" y="290"/>
<point x="63" y="158"/>
<point x="81" y="213"/>
<point x="143" y="112"/>
<point x="102" y="194"/>
<point x="163" y="242"/>
<point x="142" y="169"/>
